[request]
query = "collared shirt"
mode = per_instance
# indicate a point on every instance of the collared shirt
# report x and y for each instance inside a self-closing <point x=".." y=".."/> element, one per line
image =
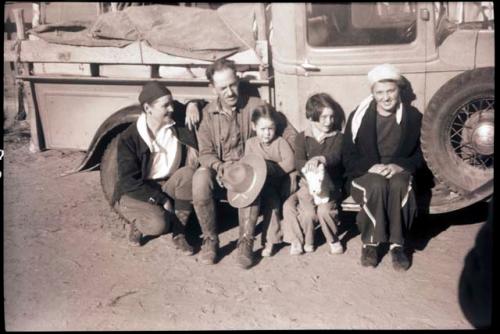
<point x="230" y="134"/>
<point x="218" y="143"/>
<point x="315" y="133"/>
<point x="165" y="149"/>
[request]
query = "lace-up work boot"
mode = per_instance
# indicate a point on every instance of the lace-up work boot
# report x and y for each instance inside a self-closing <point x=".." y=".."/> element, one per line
<point x="245" y="252"/>
<point x="205" y="211"/>
<point x="181" y="244"/>
<point x="134" y="236"/>
<point x="209" y="249"/>
<point x="247" y="219"/>
<point x="178" y="232"/>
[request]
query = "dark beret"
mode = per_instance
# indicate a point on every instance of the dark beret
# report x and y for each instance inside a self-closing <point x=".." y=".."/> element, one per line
<point x="151" y="91"/>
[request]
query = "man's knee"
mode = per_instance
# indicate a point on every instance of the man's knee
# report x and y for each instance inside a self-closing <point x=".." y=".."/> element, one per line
<point x="180" y="185"/>
<point x="202" y="184"/>
<point x="153" y="224"/>
<point x="186" y="173"/>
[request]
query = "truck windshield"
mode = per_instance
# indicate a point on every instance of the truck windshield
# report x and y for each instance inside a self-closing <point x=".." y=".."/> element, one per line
<point x="358" y="24"/>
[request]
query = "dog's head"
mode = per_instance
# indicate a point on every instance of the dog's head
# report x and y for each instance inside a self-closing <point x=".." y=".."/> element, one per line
<point x="315" y="179"/>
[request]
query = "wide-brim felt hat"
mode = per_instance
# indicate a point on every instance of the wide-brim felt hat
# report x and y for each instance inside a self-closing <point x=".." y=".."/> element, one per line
<point x="244" y="180"/>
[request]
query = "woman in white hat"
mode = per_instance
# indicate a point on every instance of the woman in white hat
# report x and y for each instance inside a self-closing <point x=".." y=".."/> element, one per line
<point x="381" y="154"/>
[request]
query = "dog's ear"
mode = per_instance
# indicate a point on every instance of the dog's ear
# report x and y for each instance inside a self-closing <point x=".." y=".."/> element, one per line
<point x="321" y="169"/>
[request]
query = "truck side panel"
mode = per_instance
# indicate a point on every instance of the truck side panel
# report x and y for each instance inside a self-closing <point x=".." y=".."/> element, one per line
<point x="71" y="110"/>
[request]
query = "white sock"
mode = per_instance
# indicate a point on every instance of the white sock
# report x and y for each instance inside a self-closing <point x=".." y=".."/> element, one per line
<point x="374" y="245"/>
<point x="394" y="246"/>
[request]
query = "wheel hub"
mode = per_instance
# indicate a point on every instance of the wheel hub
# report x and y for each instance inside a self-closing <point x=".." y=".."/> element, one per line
<point x="472" y="134"/>
<point x="483" y="135"/>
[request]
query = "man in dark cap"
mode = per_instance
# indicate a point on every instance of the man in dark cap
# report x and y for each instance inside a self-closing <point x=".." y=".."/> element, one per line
<point x="157" y="157"/>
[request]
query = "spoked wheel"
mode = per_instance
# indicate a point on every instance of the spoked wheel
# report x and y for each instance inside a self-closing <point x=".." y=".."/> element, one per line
<point x="458" y="139"/>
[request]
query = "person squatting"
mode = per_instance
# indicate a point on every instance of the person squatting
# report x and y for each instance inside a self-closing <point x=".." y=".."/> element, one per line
<point x="176" y="159"/>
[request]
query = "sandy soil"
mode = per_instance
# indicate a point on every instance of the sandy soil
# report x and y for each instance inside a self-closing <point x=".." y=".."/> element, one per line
<point x="67" y="266"/>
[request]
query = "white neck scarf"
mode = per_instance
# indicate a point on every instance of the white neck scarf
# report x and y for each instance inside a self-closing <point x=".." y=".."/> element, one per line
<point x="360" y="111"/>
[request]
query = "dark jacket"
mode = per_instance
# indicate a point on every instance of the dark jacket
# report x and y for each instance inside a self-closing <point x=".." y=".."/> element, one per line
<point x="307" y="147"/>
<point x="133" y="158"/>
<point x="358" y="157"/>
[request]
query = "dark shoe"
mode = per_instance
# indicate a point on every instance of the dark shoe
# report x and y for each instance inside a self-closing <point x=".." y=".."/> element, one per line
<point x="209" y="251"/>
<point x="400" y="261"/>
<point x="369" y="257"/>
<point x="181" y="244"/>
<point x="245" y="252"/>
<point x="134" y="236"/>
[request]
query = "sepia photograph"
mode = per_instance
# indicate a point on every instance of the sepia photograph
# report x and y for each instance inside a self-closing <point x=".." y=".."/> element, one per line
<point x="248" y="166"/>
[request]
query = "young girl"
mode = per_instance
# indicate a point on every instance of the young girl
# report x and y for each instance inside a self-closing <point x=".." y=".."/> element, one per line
<point x="319" y="143"/>
<point x="280" y="162"/>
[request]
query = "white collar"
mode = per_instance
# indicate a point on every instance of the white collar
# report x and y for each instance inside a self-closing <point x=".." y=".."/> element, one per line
<point x="313" y="132"/>
<point x="142" y="128"/>
<point x="360" y="113"/>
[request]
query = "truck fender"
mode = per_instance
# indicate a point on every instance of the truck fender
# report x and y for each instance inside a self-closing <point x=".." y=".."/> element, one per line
<point x="112" y="126"/>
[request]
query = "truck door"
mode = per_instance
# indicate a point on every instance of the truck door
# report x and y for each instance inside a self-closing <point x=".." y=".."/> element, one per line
<point x="331" y="47"/>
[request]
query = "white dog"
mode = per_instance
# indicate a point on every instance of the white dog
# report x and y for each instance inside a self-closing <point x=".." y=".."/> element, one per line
<point x="319" y="183"/>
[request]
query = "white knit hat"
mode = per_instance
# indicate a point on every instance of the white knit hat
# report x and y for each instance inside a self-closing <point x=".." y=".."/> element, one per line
<point x="384" y="72"/>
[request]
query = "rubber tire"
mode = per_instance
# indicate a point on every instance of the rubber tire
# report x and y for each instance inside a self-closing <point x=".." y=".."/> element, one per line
<point x="445" y="165"/>
<point x="109" y="169"/>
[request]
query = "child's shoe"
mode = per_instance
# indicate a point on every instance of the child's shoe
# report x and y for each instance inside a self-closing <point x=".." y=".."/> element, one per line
<point x="296" y="249"/>
<point x="309" y="248"/>
<point x="268" y="250"/>
<point x="336" y="248"/>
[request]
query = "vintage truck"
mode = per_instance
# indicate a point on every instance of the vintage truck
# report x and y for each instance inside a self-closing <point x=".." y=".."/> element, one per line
<point x="81" y="97"/>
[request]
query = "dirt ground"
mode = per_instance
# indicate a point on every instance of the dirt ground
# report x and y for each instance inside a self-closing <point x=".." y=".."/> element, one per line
<point x="67" y="266"/>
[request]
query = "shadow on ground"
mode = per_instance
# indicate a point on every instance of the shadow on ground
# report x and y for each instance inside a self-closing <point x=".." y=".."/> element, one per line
<point x="425" y="228"/>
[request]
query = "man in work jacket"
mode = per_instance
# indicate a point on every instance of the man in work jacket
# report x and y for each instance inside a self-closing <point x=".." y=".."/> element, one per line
<point x="381" y="154"/>
<point x="224" y="129"/>
<point x="156" y="161"/>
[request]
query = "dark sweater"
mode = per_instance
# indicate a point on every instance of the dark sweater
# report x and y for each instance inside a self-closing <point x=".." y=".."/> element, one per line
<point x="307" y="147"/>
<point x="359" y="156"/>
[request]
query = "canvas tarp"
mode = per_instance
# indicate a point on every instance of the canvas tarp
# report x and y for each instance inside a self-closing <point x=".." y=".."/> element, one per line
<point x="190" y="32"/>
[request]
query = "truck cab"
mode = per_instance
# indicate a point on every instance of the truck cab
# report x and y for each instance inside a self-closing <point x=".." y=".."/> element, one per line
<point x="444" y="51"/>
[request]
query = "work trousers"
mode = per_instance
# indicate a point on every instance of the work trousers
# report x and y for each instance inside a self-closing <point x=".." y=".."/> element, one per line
<point x="270" y="208"/>
<point x="153" y="219"/>
<point x="388" y="207"/>
<point x="300" y="214"/>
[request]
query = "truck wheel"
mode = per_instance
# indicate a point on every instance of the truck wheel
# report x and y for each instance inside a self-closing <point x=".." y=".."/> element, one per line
<point x="109" y="169"/>
<point x="457" y="135"/>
